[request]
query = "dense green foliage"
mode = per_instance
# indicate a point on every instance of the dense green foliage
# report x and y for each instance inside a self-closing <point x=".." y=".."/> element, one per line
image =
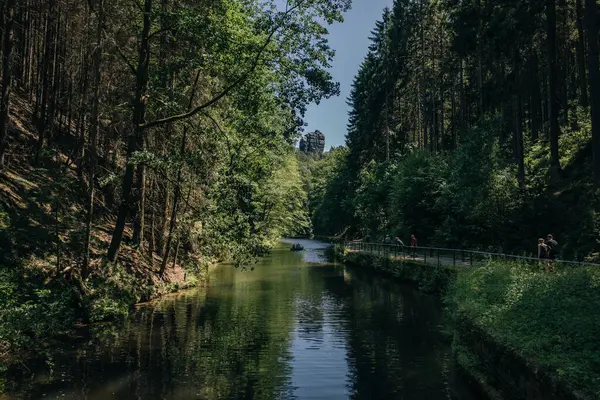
<point x="162" y="138"/>
<point x="450" y="138"/>
<point x="326" y="186"/>
<point x="550" y="319"/>
<point x="31" y="310"/>
<point x="469" y="198"/>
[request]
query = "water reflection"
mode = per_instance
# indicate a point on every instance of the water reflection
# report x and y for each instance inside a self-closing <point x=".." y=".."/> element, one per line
<point x="287" y="330"/>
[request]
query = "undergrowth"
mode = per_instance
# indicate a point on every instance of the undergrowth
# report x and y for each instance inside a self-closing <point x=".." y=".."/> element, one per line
<point x="31" y="310"/>
<point x="42" y="295"/>
<point x="35" y="309"/>
<point x="550" y="319"/>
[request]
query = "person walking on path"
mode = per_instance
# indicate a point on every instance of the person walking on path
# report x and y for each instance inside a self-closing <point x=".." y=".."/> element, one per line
<point x="552" y="249"/>
<point x="413" y="245"/>
<point x="553" y="245"/>
<point x="544" y="254"/>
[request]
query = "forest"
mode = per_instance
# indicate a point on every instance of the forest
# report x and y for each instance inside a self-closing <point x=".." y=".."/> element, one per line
<point x="141" y="140"/>
<point x="473" y="124"/>
<point x="144" y="141"/>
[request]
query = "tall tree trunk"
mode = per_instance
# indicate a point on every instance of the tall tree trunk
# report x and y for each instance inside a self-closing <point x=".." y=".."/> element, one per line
<point x="463" y="99"/>
<point x="176" y="253"/>
<point x="536" y="102"/>
<point x="553" y="76"/>
<point x="152" y="242"/>
<point x="480" y="58"/>
<point x="164" y="218"/>
<point x="518" y="124"/>
<point x="28" y="50"/>
<point x="591" y="25"/>
<point x="434" y="127"/>
<point x="54" y="78"/>
<point x="387" y="94"/>
<point x="140" y="193"/>
<point x="70" y="103"/>
<point x="422" y="76"/>
<point x="453" y="114"/>
<point x="7" y="45"/>
<point x="135" y="141"/>
<point x="19" y="40"/>
<point x="34" y="40"/>
<point x="425" y="125"/>
<point x="563" y="60"/>
<point x="94" y="119"/>
<point x="419" y="133"/>
<point x="46" y="72"/>
<point x="172" y="224"/>
<point x="177" y="191"/>
<point x="179" y="238"/>
<point x="583" y="89"/>
<point x="38" y="79"/>
<point x="441" y="120"/>
<point x="80" y="121"/>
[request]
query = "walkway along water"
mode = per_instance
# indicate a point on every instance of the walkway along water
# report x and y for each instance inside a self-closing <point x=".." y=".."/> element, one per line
<point x="294" y="328"/>
<point x="447" y="257"/>
<point x="520" y="331"/>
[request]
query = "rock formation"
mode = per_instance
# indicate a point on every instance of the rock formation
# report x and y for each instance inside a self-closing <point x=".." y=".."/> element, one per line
<point x="313" y="143"/>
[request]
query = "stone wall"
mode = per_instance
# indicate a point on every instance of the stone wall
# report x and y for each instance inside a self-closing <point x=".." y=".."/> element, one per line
<point x="429" y="278"/>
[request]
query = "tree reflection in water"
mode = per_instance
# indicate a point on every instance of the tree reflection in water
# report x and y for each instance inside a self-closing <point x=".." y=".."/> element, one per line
<point x="286" y="330"/>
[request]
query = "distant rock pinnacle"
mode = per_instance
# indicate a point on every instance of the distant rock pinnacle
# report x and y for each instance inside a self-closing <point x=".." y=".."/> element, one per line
<point x="313" y="143"/>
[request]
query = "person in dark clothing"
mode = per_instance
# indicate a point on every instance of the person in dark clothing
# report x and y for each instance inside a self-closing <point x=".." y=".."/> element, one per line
<point x="413" y="245"/>
<point x="544" y="253"/>
<point x="553" y="245"/>
<point x="552" y="249"/>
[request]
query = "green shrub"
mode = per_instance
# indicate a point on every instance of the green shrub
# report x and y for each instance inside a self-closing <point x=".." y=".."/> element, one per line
<point x="112" y="293"/>
<point x="30" y="310"/>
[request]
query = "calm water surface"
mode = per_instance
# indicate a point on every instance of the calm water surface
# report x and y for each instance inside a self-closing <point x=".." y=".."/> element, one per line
<point x="290" y="329"/>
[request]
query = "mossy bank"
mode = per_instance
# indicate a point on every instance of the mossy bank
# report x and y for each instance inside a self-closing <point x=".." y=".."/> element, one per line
<point x="516" y="330"/>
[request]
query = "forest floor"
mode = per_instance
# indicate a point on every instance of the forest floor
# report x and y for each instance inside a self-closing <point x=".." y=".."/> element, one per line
<point x="40" y="205"/>
<point x="42" y="230"/>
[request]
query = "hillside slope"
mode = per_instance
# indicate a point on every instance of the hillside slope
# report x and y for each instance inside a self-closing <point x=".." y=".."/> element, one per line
<point x="42" y="225"/>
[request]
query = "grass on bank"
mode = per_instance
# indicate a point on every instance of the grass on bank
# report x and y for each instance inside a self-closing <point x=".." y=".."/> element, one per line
<point x="551" y="319"/>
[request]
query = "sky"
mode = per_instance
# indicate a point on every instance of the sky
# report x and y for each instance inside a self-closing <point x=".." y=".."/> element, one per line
<point x="350" y="40"/>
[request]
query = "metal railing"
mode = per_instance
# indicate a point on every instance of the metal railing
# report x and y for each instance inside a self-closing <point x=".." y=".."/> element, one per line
<point x="449" y="257"/>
